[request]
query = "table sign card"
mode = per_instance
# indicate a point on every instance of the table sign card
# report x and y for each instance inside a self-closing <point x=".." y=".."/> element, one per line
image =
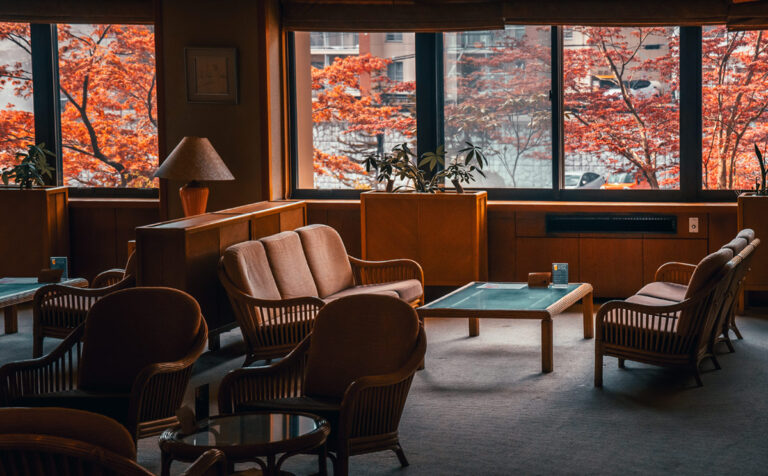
<point x="60" y="262"/>
<point x="559" y="275"/>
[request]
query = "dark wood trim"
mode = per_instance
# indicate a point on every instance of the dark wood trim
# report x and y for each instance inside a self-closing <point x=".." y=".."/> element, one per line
<point x="45" y="93"/>
<point x="265" y="116"/>
<point x="162" y="138"/>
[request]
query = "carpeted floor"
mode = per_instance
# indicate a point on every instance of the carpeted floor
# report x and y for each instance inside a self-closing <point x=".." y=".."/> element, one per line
<point x="482" y="406"/>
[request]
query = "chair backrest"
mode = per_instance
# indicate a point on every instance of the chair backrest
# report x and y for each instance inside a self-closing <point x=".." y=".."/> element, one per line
<point x="748" y="234"/>
<point x="130" y="266"/>
<point x="289" y="265"/>
<point x="127" y="330"/>
<point x="708" y="268"/>
<point x="736" y="245"/>
<point x="358" y="336"/>
<point x="327" y="258"/>
<point x="247" y="266"/>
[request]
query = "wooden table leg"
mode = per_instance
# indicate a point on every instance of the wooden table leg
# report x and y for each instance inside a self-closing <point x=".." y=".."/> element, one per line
<point x="11" y="318"/>
<point x="546" y="345"/>
<point x="474" y="327"/>
<point x="587" y="310"/>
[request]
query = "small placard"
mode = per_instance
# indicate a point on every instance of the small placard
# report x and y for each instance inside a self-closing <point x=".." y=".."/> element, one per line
<point x="60" y="262"/>
<point x="559" y="275"/>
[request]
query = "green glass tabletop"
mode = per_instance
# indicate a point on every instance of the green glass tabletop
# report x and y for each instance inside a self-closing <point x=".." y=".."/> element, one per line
<point x="8" y="289"/>
<point x="502" y="297"/>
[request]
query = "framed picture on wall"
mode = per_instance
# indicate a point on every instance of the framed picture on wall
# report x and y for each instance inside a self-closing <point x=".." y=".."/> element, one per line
<point x="211" y="75"/>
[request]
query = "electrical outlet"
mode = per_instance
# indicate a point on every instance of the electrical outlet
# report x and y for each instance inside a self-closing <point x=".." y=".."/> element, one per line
<point x="693" y="225"/>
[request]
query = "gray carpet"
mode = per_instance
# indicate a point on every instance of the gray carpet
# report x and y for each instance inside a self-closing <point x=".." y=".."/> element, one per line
<point x="481" y="406"/>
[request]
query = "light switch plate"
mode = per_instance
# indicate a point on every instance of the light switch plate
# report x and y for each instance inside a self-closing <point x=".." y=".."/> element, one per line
<point x="693" y="225"/>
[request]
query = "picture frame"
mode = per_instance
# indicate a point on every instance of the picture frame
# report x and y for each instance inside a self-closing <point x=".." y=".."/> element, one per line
<point x="211" y="75"/>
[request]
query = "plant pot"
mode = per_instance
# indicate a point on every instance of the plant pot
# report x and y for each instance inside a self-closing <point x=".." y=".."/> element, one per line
<point x="34" y="225"/>
<point x="446" y="233"/>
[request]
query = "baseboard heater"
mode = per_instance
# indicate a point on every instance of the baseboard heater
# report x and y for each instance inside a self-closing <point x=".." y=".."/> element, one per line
<point x="611" y="223"/>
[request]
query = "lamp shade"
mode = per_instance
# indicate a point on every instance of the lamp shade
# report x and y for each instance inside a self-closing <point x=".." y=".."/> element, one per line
<point x="194" y="159"/>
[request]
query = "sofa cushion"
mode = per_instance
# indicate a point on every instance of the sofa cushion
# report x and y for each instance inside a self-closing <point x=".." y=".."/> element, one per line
<point x="669" y="291"/>
<point x="408" y="290"/>
<point x="707" y="268"/>
<point x="247" y="266"/>
<point x="748" y="234"/>
<point x="327" y="259"/>
<point x="289" y="265"/>
<point x="736" y="245"/>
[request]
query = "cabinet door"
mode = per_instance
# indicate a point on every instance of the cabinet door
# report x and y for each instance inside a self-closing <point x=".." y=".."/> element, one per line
<point x="614" y="266"/>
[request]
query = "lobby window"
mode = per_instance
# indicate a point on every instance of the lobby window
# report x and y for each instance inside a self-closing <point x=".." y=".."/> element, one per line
<point x="108" y="105"/>
<point x="17" y="120"/>
<point x="496" y="96"/>
<point x="362" y="100"/>
<point x="734" y="102"/>
<point x="621" y="108"/>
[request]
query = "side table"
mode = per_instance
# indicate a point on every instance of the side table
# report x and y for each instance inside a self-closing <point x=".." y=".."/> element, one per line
<point x="15" y="291"/>
<point x="249" y="437"/>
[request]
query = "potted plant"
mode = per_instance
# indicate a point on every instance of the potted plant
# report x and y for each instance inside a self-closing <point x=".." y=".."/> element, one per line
<point x="752" y="213"/>
<point x="446" y="233"/>
<point x="32" y="214"/>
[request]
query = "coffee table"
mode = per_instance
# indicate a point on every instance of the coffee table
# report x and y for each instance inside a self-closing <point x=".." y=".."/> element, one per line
<point x="248" y="437"/>
<point x="514" y="301"/>
<point x="15" y="291"/>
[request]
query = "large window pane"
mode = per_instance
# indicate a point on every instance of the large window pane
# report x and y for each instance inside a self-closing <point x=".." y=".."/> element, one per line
<point x="734" y="101"/>
<point x="621" y="101"/>
<point x="109" y="107"/>
<point x="17" y="124"/>
<point x="355" y="94"/>
<point x="497" y="87"/>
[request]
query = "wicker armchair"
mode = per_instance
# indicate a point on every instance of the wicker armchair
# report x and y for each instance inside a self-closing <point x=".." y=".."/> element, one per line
<point x="667" y="333"/>
<point x="57" y="309"/>
<point x="130" y="360"/>
<point x="277" y="285"/>
<point x="48" y="441"/>
<point x="355" y="370"/>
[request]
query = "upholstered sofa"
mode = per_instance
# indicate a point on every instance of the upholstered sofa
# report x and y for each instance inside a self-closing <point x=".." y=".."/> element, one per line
<point x="277" y="284"/>
<point x="676" y="320"/>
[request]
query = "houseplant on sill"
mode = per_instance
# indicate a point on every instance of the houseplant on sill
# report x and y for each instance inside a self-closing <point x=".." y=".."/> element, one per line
<point x="446" y="233"/>
<point x="752" y="213"/>
<point x="31" y="214"/>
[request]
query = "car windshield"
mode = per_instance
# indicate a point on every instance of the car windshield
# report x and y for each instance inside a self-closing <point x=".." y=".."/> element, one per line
<point x="572" y="180"/>
<point x="622" y="177"/>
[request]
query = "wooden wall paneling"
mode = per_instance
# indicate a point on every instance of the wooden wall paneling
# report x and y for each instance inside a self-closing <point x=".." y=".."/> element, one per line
<point x="262" y="226"/>
<point x="502" y="246"/>
<point x="657" y="251"/>
<point x="538" y="254"/>
<point x="682" y="225"/>
<point x="613" y="266"/>
<point x="347" y="223"/>
<point x="127" y="219"/>
<point x="94" y="241"/>
<point x="292" y="219"/>
<point x="722" y="228"/>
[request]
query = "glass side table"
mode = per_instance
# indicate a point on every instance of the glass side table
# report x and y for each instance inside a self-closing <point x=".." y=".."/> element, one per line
<point x="249" y="437"/>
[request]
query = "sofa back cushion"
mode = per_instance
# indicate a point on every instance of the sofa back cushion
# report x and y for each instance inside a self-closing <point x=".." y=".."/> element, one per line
<point x="707" y="268"/>
<point x="748" y="234"/>
<point x="357" y="336"/>
<point x="127" y="330"/>
<point x="289" y="265"/>
<point x="736" y="245"/>
<point x="247" y="267"/>
<point x="327" y="259"/>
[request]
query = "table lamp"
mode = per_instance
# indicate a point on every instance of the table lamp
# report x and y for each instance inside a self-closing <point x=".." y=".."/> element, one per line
<point x="194" y="159"/>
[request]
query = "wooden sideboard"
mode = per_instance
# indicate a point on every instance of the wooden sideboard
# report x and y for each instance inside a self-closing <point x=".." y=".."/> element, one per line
<point x="184" y="253"/>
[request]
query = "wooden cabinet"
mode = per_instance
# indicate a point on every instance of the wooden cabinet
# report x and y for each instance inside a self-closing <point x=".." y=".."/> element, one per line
<point x="753" y="213"/>
<point x="613" y="266"/>
<point x="34" y="225"/>
<point x="184" y="253"/>
<point x="446" y="233"/>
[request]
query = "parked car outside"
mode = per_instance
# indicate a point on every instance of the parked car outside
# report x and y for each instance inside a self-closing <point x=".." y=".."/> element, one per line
<point x="583" y="180"/>
<point x="625" y="181"/>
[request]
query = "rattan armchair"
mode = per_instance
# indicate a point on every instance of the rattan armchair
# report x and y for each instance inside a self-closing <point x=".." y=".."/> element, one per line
<point x="58" y="309"/>
<point x="49" y="441"/>
<point x="130" y="360"/>
<point x="677" y="334"/>
<point x="355" y="370"/>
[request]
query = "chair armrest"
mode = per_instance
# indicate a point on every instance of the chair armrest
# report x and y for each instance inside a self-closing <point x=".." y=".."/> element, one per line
<point x="54" y="372"/>
<point x="210" y="463"/>
<point x="678" y="273"/>
<point x="108" y="278"/>
<point x="282" y="379"/>
<point x="376" y="272"/>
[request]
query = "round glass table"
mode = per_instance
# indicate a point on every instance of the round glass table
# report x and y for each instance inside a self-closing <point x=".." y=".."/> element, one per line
<point x="249" y="437"/>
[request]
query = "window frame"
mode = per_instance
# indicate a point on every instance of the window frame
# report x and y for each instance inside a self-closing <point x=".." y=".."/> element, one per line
<point x="430" y="130"/>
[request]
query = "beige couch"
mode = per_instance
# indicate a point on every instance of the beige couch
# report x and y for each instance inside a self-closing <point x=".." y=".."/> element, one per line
<point x="277" y="284"/>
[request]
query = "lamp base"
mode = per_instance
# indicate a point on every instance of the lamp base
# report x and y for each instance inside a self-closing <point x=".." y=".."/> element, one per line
<point x="194" y="199"/>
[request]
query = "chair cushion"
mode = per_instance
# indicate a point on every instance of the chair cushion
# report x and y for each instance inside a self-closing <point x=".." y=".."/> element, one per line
<point x="736" y="245"/>
<point x="247" y="266"/>
<point x="327" y="259"/>
<point x="707" y="268"/>
<point x="127" y="330"/>
<point x="69" y="423"/>
<point x="669" y="291"/>
<point x="356" y="336"/>
<point x="649" y="300"/>
<point x="408" y="290"/>
<point x="748" y="234"/>
<point x="289" y="265"/>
